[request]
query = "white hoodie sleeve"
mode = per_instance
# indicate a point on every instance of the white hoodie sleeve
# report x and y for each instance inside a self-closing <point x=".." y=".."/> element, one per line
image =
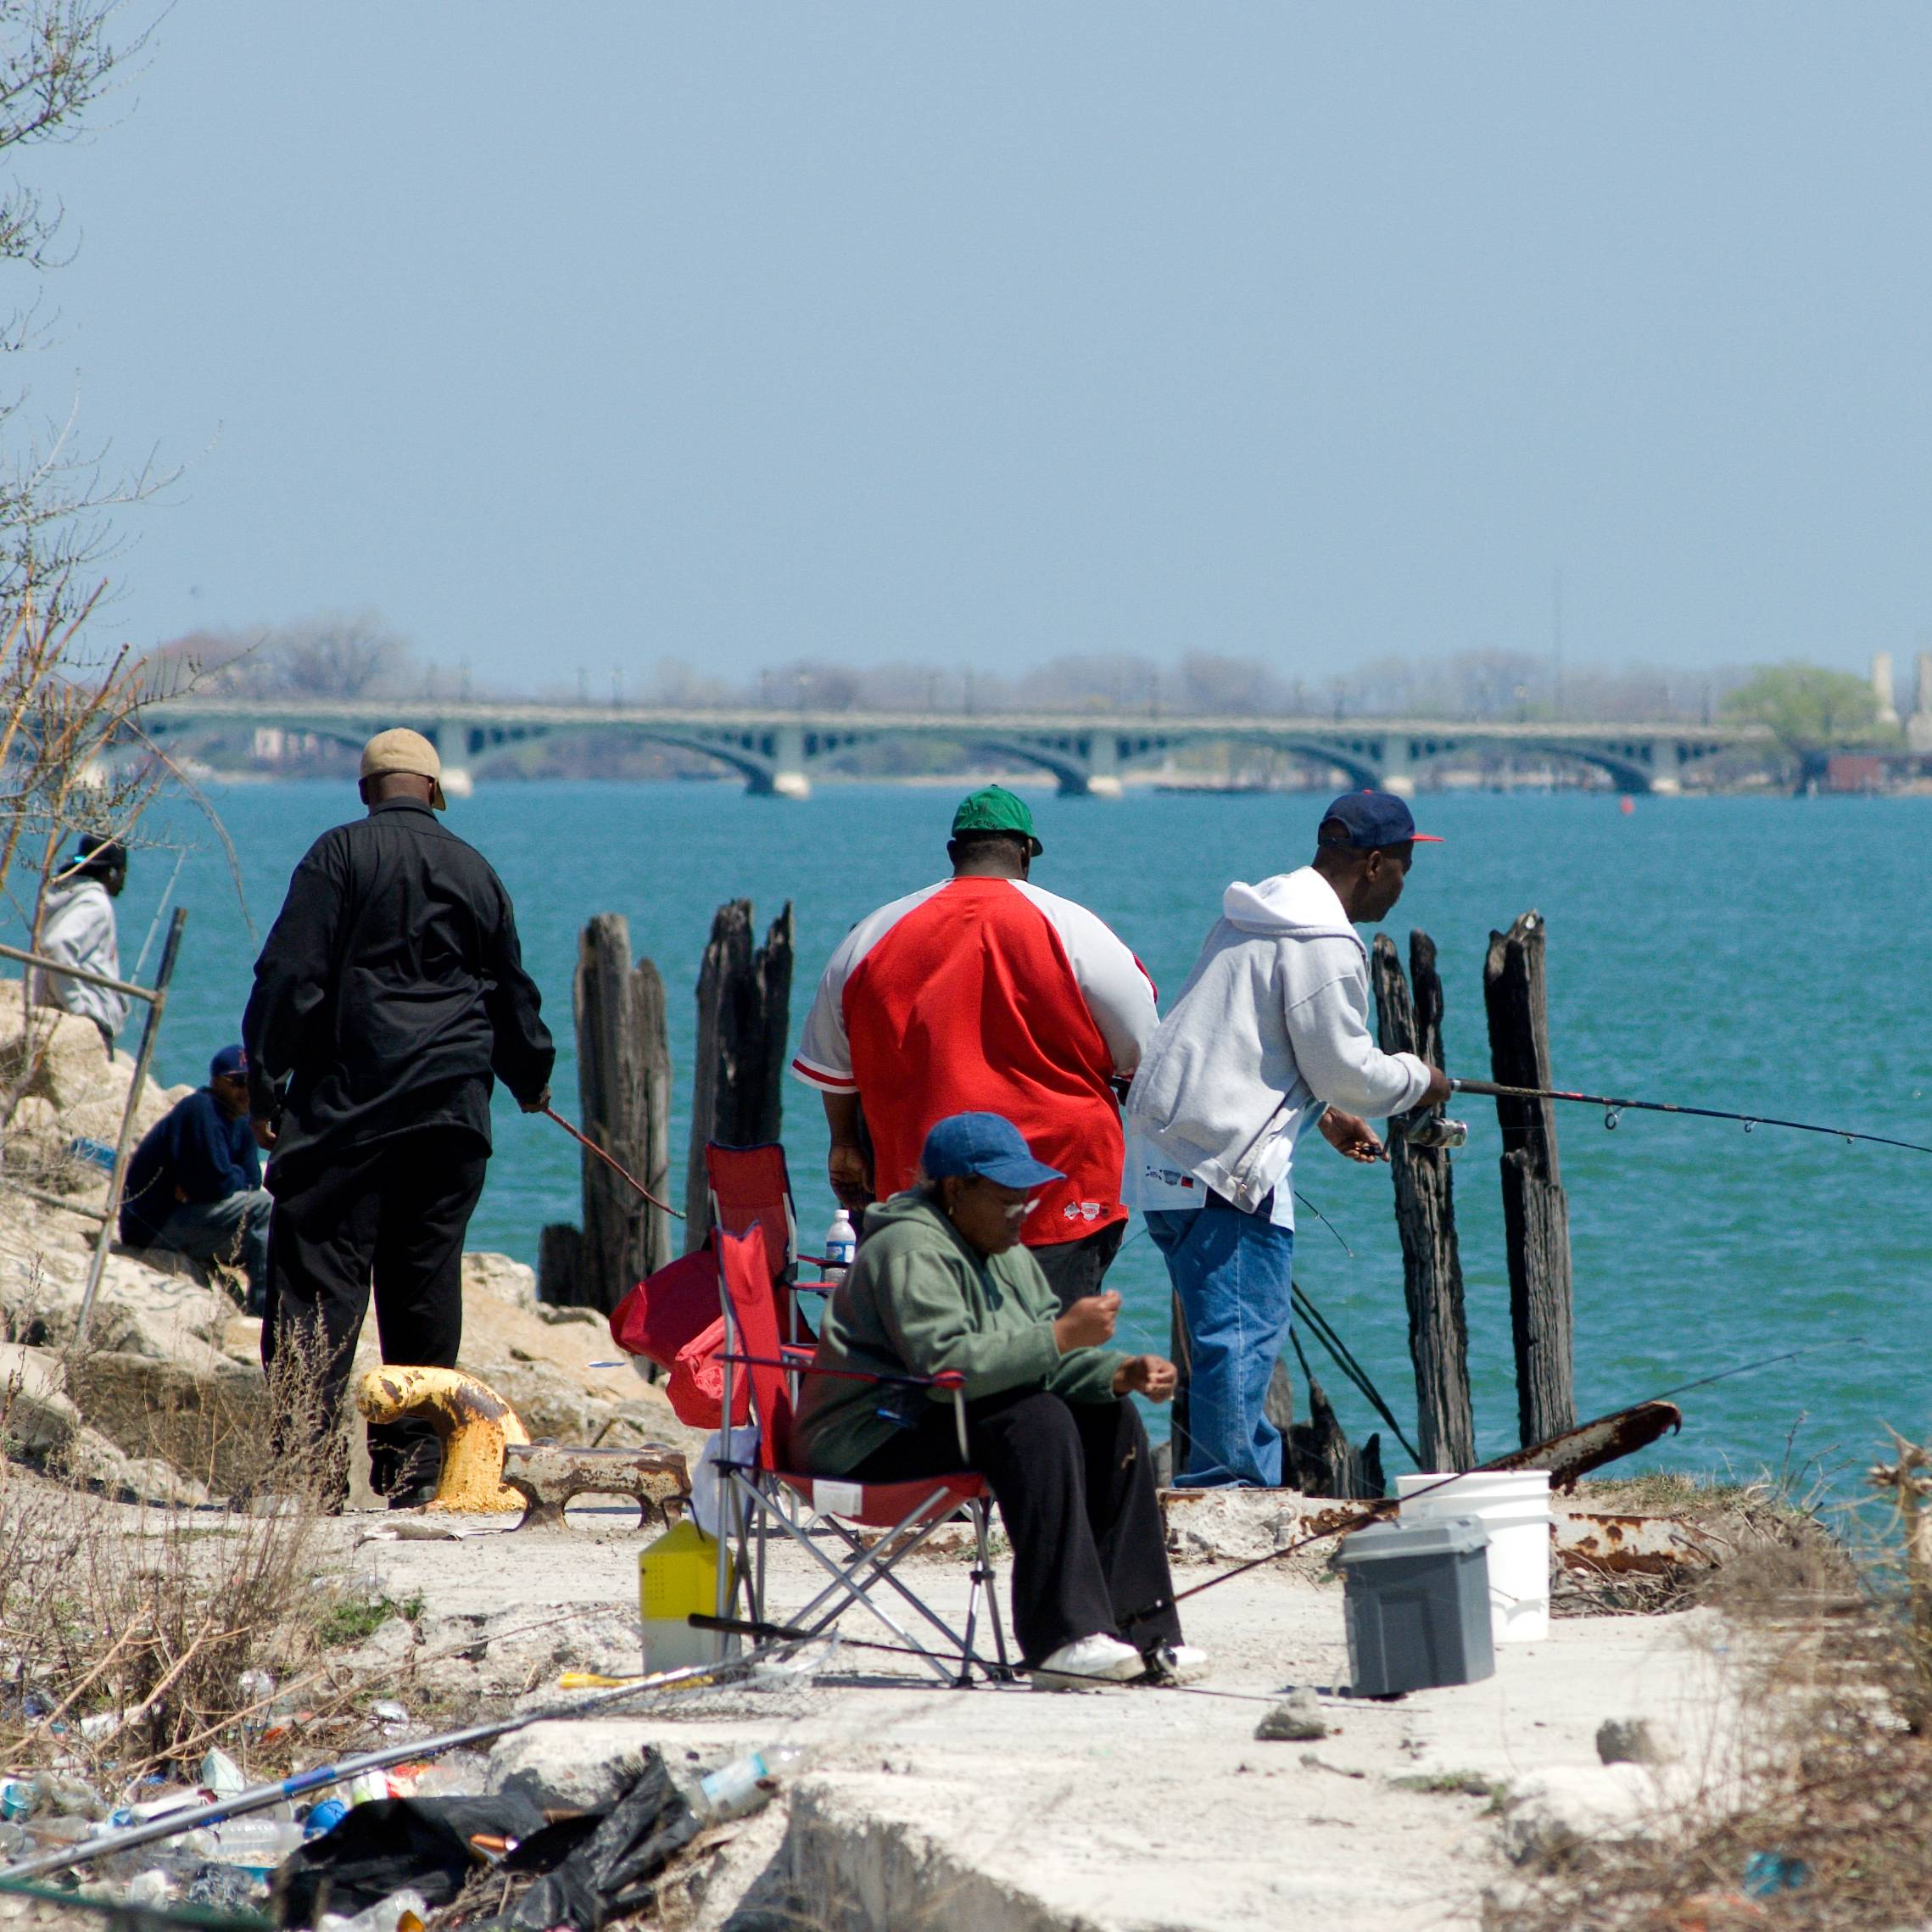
<point x="1328" y="1030"/>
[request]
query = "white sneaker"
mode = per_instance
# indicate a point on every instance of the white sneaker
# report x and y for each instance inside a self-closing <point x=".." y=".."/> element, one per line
<point x="1179" y="1663"/>
<point x="1087" y="1663"/>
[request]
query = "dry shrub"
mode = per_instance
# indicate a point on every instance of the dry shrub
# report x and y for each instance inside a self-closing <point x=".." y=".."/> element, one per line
<point x="1824" y="1821"/>
<point x="128" y="1632"/>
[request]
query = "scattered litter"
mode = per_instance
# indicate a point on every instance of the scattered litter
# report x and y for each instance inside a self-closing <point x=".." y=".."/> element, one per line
<point x="386" y="1711"/>
<point x="809" y="1663"/>
<point x="390" y="1843"/>
<point x="401" y="1912"/>
<point x="746" y="1783"/>
<point x="221" y="1774"/>
<point x="1766" y="1874"/>
<point x="325" y="1817"/>
<point x="1297" y="1721"/>
<point x="419" y="1529"/>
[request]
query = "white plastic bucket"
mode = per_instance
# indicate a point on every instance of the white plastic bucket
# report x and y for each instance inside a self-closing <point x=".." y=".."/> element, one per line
<point x="1513" y="1505"/>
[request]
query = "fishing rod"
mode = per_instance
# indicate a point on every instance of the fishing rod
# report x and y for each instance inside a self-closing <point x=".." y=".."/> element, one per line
<point x="1612" y="1107"/>
<point x="615" y="1166"/>
<point x="258" y="1797"/>
<point x="154" y="925"/>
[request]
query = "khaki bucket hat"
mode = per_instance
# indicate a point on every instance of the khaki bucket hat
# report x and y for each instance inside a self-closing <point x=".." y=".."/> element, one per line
<point x="401" y="749"/>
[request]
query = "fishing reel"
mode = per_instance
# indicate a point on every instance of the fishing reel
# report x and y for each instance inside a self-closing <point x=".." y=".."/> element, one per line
<point x="1430" y="1130"/>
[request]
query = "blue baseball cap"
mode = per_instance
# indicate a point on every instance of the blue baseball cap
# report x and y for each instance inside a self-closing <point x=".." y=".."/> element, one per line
<point x="229" y="1061"/>
<point x="987" y="1145"/>
<point x="1373" y="819"/>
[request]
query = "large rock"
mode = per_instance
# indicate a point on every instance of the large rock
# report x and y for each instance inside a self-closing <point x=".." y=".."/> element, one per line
<point x="36" y="1414"/>
<point x="208" y="1417"/>
<point x="503" y="1280"/>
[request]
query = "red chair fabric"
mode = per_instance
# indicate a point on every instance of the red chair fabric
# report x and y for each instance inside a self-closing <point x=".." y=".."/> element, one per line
<point x="745" y="1270"/>
<point x="696" y="1386"/>
<point x="884" y="1505"/>
<point x="667" y="1309"/>
<point x="750" y="1188"/>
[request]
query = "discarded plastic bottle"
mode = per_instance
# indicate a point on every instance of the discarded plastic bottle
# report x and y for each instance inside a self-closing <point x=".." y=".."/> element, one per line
<point x="740" y="1786"/>
<point x="258" y="1842"/>
<point x="677" y="1574"/>
<point x="841" y="1242"/>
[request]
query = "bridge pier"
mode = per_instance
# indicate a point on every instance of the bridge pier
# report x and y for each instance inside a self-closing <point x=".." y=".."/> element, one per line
<point x="1398" y="773"/>
<point x="1102" y="769"/>
<point x="786" y="778"/>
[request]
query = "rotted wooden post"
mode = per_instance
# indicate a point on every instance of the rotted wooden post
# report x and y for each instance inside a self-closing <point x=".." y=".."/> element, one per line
<point x="743" y="1011"/>
<point x="623" y="1085"/>
<point x="1536" y="1214"/>
<point x="1425" y="1218"/>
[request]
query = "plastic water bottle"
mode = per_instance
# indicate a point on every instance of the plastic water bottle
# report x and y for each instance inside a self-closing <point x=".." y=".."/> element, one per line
<point x="841" y="1242"/>
<point x="738" y="1787"/>
<point x="261" y="1844"/>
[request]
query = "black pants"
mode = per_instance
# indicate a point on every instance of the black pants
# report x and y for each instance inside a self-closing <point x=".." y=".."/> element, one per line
<point x="393" y="1218"/>
<point x="1074" y="1484"/>
<point x="1077" y="1268"/>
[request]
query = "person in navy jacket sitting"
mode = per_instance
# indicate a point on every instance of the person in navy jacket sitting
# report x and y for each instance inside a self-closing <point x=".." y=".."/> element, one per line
<point x="194" y="1185"/>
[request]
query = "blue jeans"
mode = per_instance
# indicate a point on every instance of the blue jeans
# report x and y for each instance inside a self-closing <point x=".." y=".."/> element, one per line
<point x="224" y="1230"/>
<point x="1234" y="1274"/>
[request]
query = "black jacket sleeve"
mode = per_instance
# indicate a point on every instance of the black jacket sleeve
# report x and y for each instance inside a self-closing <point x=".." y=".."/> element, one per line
<point x="293" y="976"/>
<point x="522" y="1052"/>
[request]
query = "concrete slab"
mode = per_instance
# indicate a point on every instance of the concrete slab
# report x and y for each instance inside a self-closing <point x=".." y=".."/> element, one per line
<point x="1132" y="1808"/>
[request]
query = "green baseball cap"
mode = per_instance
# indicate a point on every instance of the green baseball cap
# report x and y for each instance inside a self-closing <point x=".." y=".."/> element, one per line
<point x="996" y="809"/>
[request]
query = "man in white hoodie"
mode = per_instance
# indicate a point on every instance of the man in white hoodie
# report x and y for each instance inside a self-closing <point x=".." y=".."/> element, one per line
<point x="1270" y="1034"/>
<point x="77" y="929"/>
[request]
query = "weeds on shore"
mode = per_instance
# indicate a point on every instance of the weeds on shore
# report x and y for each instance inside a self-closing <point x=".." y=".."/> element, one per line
<point x="140" y="1635"/>
<point x="1820" y="1820"/>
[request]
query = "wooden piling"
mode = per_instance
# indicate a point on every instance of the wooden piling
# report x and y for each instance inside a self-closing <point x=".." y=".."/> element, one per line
<point x="1536" y="1215"/>
<point x="1425" y="1218"/>
<point x="744" y="1011"/>
<point x="623" y="1087"/>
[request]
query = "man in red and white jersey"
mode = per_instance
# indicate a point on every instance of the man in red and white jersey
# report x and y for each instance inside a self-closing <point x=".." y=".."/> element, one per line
<point x="983" y="994"/>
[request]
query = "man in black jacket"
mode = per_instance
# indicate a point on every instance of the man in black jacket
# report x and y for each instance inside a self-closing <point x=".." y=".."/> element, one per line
<point x="391" y="990"/>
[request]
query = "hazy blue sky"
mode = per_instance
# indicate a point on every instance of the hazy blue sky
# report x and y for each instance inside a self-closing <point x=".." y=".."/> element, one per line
<point x="618" y="333"/>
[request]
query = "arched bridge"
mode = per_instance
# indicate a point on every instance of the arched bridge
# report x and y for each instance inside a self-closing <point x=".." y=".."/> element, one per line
<point x="778" y="752"/>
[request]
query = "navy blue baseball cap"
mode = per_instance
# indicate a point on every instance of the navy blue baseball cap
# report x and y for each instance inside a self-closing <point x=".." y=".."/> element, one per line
<point x="988" y="1145"/>
<point x="229" y="1061"/>
<point x="1373" y="819"/>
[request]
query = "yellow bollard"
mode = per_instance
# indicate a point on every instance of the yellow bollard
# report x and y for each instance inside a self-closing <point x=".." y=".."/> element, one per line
<point x="472" y="1421"/>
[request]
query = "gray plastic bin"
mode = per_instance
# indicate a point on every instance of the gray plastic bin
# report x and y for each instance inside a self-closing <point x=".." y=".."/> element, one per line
<point x="1417" y="1606"/>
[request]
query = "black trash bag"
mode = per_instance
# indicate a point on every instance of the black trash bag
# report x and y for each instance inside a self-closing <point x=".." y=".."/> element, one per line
<point x="390" y="1843"/>
<point x="610" y="1872"/>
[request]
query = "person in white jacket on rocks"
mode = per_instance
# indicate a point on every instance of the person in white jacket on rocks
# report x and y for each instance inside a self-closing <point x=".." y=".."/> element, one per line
<point x="1270" y="1035"/>
<point x="77" y="929"/>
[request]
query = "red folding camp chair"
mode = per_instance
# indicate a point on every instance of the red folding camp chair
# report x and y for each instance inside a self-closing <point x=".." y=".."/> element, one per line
<point x="750" y="1188"/>
<point x="769" y="1495"/>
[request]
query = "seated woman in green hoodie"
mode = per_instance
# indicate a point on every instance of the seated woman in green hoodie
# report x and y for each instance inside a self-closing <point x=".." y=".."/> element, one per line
<point x="942" y="1282"/>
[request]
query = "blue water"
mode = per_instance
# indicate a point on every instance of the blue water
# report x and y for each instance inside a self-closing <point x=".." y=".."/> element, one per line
<point x="1753" y="953"/>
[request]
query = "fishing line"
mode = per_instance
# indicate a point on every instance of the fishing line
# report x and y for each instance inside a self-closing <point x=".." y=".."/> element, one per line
<point x="1613" y="1108"/>
<point x="1377" y="1507"/>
